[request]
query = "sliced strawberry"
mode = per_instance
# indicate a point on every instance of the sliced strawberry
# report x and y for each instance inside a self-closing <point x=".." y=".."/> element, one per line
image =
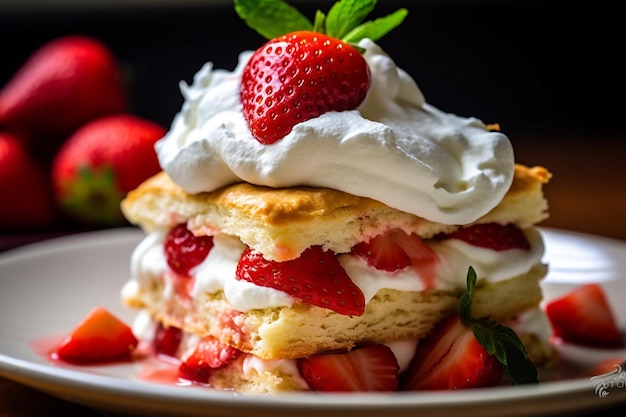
<point x="451" y="358"/>
<point x="167" y="340"/>
<point x="370" y="368"/>
<point x="583" y="316"/>
<point x="383" y="253"/>
<point x="468" y="352"/>
<point x="99" y="337"/>
<point x="492" y="236"/>
<point x="299" y="76"/>
<point x="397" y="250"/>
<point x="316" y="277"/>
<point x="184" y="250"/>
<point x="422" y="257"/>
<point x="209" y="355"/>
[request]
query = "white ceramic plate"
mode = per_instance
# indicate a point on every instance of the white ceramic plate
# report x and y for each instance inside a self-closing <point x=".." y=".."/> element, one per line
<point x="47" y="287"/>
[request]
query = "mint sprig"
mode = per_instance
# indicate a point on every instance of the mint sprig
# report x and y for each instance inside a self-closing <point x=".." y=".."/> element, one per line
<point x="346" y="15"/>
<point x="376" y="29"/>
<point x="274" y="18"/>
<point x="497" y="339"/>
<point x="271" y="18"/>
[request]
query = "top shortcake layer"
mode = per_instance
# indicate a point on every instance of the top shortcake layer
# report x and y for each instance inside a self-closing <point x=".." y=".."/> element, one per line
<point x="281" y="223"/>
<point x="394" y="147"/>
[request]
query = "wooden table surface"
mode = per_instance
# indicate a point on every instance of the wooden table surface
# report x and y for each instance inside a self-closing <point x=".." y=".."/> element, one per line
<point x="587" y="194"/>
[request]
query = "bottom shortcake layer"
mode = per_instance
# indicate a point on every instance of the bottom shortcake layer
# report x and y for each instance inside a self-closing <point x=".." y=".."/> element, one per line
<point x="303" y="330"/>
<point x="248" y="374"/>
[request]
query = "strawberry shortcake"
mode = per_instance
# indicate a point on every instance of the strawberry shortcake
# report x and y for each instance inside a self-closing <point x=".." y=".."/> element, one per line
<point x="319" y="226"/>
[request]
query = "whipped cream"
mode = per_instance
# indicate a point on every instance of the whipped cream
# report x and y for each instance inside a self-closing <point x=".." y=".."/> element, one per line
<point x="217" y="271"/>
<point x="394" y="148"/>
<point x="455" y="257"/>
<point x="255" y="365"/>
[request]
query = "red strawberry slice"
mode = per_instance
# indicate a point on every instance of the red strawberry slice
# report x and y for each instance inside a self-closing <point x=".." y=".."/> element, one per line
<point x="396" y="250"/>
<point x="493" y="236"/>
<point x="99" y="337"/>
<point x="167" y="340"/>
<point x="209" y="355"/>
<point x="423" y="258"/>
<point x="370" y="368"/>
<point x="184" y="250"/>
<point x="316" y="277"/>
<point x="451" y="358"/>
<point x="583" y="316"/>
<point x="299" y="76"/>
<point x="383" y="253"/>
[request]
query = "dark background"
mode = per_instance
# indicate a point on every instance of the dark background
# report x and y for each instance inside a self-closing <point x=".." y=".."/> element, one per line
<point x="532" y="66"/>
<point x="549" y="72"/>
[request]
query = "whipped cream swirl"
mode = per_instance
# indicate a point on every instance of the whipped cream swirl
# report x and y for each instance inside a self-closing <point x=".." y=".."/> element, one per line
<point x="394" y="148"/>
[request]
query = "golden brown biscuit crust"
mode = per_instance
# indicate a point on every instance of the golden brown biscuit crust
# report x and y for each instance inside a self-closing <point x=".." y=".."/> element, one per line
<point x="281" y="223"/>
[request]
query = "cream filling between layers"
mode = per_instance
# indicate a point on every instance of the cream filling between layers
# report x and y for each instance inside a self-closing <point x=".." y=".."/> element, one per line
<point x="217" y="271"/>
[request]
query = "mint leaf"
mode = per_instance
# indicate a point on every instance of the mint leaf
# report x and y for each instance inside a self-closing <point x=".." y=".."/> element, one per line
<point x="497" y="339"/>
<point x="320" y="22"/>
<point x="271" y="18"/>
<point x="465" y="301"/>
<point x="517" y="366"/>
<point x="274" y="18"/>
<point x="346" y="15"/>
<point x="378" y="28"/>
<point x="505" y="345"/>
<point x="484" y="335"/>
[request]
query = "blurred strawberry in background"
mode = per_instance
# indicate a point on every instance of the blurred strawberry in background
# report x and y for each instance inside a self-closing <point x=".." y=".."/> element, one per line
<point x="70" y="147"/>
<point x="101" y="162"/>
<point x="65" y="83"/>
<point x="26" y="197"/>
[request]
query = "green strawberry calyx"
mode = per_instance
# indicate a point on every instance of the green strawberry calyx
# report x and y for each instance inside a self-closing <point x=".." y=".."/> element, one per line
<point x="93" y="195"/>
<point x="497" y="339"/>
<point x="274" y="18"/>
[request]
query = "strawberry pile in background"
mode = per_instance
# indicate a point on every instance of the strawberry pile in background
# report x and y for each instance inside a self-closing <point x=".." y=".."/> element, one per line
<point x="70" y="147"/>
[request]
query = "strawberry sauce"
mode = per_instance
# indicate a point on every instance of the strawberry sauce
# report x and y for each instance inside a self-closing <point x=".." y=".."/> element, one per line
<point x="146" y="365"/>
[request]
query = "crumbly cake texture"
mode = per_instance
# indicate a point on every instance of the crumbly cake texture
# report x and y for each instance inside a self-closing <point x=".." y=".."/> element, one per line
<point x="240" y="378"/>
<point x="282" y="223"/>
<point x="290" y="332"/>
<point x="304" y="330"/>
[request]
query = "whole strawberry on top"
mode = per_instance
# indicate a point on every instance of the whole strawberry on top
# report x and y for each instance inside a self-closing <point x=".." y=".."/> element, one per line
<point x="65" y="83"/>
<point x="306" y="69"/>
